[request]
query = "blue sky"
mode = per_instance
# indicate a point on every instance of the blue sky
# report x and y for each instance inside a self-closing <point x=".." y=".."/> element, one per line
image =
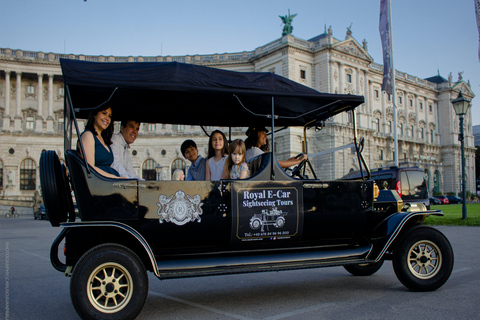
<point x="428" y="35"/>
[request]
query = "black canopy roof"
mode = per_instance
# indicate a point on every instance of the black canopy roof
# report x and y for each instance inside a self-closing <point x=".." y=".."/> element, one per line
<point x="178" y="93"/>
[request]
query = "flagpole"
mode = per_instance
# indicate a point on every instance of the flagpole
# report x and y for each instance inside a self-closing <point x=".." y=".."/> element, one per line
<point x="388" y="82"/>
<point x="394" y="100"/>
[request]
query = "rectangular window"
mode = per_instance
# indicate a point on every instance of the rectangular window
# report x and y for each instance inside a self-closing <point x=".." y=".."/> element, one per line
<point x="381" y="154"/>
<point x="400" y="100"/>
<point x="349" y="78"/>
<point x="180" y="128"/>
<point x="303" y="74"/>
<point x="413" y="131"/>
<point x="411" y="102"/>
<point x="376" y="94"/>
<point x="422" y="133"/>
<point x="151" y="127"/>
<point x="60" y="125"/>
<point x="430" y="108"/>
<point x="30" y="89"/>
<point x="421" y="105"/>
<point x="61" y="91"/>
<point x="431" y="136"/>
<point x="401" y="129"/>
<point x="29" y="123"/>
<point x="389" y="97"/>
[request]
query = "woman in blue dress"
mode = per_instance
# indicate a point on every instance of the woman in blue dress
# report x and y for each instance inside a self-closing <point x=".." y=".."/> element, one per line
<point x="96" y="140"/>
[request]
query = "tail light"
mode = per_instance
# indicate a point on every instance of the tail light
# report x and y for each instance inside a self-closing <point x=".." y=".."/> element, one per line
<point x="398" y="189"/>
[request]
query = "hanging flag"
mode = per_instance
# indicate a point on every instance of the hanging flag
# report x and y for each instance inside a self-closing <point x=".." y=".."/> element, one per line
<point x="385" y="36"/>
<point x="477" y="13"/>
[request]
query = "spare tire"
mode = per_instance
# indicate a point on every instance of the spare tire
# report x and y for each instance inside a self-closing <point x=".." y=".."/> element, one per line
<point x="55" y="194"/>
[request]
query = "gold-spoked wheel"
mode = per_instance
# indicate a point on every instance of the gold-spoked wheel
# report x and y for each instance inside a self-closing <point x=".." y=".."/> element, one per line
<point x="422" y="258"/>
<point x="425" y="259"/>
<point x="109" y="282"/>
<point x="110" y="287"/>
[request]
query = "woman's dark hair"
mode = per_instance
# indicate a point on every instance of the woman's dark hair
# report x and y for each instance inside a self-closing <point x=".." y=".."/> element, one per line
<point x="211" y="151"/>
<point x="107" y="133"/>
<point x="252" y="141"/>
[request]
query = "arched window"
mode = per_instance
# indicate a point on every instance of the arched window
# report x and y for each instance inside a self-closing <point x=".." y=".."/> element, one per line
<point x="28" y="175"/>
<point x="1" y="175"/>
<point x="148" y="170"/>
<point x="178" y="164"/>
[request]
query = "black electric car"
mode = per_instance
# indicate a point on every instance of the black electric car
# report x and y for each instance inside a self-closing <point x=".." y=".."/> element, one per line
<point x="178" y="229"/>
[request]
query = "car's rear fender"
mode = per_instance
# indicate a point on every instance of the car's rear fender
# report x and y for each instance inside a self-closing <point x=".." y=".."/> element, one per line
<point x="82" y="236"/>
<point x="385" y="234"/>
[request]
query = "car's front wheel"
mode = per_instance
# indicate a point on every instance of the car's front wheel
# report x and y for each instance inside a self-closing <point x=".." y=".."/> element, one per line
<point x="109" y="282"/>
<point x="364" y="269"/>
<point x="423" y="259"/>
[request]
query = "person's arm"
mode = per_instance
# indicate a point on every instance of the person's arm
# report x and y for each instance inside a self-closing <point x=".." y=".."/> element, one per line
<point x="225" y="174"/>
<point x="244" y="172"/>
<point x="88" y="142"/>
<point x="117" y="158"/>
<point x="207" y="171"/>
<point x="292" y="161"/>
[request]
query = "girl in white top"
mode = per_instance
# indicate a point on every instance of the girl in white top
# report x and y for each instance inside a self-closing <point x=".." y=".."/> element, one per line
<point x="217" y="154"/>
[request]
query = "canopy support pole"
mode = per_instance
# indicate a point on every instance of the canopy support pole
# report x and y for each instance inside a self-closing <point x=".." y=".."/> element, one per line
<point x="272" y="172"/>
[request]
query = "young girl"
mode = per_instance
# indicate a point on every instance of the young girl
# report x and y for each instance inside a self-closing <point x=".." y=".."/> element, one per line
<point x="236" y="166"/>
<point x="217" y="153"/>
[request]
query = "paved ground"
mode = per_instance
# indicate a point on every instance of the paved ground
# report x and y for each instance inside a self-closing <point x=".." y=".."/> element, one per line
<point x="31" y="289"/>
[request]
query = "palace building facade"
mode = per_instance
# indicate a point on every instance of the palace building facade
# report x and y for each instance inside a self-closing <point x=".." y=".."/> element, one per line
<point x="32" y="96"/>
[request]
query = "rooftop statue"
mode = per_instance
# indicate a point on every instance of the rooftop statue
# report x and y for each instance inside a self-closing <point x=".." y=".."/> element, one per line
<point x="287" y="21"/>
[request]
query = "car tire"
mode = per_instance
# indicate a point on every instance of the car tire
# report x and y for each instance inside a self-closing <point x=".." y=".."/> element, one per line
<point x="364" y="269"/>
<point x="55" y="195"/>
<point x="123" y="291"/>
<point x="423" y="259"/>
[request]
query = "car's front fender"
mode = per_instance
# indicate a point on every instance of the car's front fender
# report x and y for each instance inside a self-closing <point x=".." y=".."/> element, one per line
<point x="391" y="227"/>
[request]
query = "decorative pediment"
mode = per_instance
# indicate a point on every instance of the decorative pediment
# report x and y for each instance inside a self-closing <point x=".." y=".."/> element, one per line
<point x="352" y="47"/>
<point x="465" y="88"/>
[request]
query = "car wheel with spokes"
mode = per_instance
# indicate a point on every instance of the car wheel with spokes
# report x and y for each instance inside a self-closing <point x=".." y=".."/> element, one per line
<point x="109" y="282"/>
<point x="423" y="259"/>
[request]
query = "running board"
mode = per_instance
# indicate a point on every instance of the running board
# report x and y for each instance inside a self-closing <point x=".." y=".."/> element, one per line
<point x="249" y="262"/>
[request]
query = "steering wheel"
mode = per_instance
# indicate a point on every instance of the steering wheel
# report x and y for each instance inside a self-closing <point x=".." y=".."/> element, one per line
<point x="297" y="170"/>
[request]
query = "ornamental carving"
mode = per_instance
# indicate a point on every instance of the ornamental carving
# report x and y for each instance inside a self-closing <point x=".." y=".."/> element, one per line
<point x="179" y="209"/>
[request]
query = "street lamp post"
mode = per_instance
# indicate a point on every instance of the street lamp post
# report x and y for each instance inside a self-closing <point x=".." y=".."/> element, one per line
<point x="460" y="105"/>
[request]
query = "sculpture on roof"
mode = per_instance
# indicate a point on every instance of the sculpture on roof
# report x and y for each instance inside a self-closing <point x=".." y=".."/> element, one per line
<point x="349" y="31"/>
<point x="460" y="76"/>
<point x="287" y="21"/>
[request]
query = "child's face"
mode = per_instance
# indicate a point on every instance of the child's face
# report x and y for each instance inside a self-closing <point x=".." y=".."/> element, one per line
<point x="237" y="156"/>
<point x="191" y="153"/>
<point x="217" y="141"/>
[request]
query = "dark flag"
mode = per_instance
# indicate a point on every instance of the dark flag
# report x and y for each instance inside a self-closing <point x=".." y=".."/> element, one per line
<point x="384" y="28"/>
<point x="477" y="14"/>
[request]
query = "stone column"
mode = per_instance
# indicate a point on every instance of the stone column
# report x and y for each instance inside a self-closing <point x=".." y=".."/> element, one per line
<point x="358" y="80"/>
<point x="341" y="75"/>
<point x="39" y="118"/>
<point x="6" y="113"/>
<point x="18" y="104"/>
<point x="50" y="104"/>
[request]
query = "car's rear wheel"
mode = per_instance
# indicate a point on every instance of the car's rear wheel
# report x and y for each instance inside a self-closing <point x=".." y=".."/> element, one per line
<point x="423" y="259"/>
<point x="109" y="282"/>
<point x="364" y="269"/>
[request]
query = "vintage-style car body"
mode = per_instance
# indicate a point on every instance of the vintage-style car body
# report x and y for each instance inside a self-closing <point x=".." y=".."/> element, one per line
<point x="272" y="221"/>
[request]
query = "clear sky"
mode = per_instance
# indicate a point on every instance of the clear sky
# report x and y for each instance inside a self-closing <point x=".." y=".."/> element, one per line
<point x="429" y="36"/>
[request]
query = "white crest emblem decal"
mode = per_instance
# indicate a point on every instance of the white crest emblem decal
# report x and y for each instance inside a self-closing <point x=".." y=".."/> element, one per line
<point x="179" y="210"/>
